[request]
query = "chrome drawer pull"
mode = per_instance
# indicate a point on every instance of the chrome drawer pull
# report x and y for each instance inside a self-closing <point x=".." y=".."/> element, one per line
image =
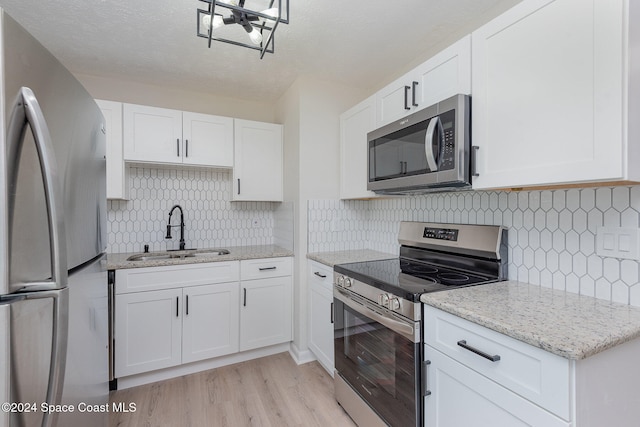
<point x="463" y="344"/>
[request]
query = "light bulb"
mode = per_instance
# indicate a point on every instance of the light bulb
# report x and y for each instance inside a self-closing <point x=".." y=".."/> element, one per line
<point x="255" y="36"/>
<point x="273" y="12"/>
<point x="217" y="21"/>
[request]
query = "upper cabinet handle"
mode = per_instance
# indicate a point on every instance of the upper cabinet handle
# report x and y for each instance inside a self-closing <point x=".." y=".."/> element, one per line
<point x="406" y="97"/>
<point x="186" y="150"/>
<point x="413" y="94"/>
<point x="178" y="146"/>
<point x="474" y="160"/>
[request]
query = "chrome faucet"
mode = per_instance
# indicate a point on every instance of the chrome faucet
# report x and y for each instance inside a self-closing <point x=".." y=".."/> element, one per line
<point x="168" y="236"/>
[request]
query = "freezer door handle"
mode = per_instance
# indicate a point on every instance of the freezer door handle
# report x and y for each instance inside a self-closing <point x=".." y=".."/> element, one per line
<point x="27" y="111"/>
<point x="59" y="339"/>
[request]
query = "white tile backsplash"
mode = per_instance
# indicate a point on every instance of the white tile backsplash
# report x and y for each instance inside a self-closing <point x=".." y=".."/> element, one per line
<point x="211" y="219"/>
<point x="552" y="233"/>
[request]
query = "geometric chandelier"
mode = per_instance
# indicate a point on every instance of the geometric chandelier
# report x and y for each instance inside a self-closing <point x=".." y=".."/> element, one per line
<point x="257" y="21"/>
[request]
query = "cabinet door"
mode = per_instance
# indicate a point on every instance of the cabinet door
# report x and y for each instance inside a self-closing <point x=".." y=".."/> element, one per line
<point x="548" y="94"/>
<point x="321" y="315"/>
<point x="446" y="74"/>
<point x="208" y="140"/>
<point x="396" y="100"/>
<point x="462" y="397"/>
<point x="354" y="126"/>
<point x="148" y="331"/>
<point x="210" y="321"/>
<point x="152" y="134"/>
<point x="265" y="314"/>
<point x="257" y="168"/>
<point x="117" y="184"/>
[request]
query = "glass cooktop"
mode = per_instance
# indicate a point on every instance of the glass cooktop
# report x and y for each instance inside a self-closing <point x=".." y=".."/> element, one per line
<point x="408" y="278"/>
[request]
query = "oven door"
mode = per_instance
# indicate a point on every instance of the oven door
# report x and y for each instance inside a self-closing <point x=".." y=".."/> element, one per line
<point x="378" y="354"/>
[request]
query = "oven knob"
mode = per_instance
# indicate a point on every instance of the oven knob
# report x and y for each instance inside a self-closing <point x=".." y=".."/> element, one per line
<point x="347" y="282"/>
<point x="340" y="281"/>
<point x="394" y="303"/>
<point x="383" y="300"/>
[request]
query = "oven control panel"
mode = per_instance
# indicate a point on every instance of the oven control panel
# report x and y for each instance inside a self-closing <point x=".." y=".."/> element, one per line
<point x="402" y="307"/>
<point x="450" y="234"/>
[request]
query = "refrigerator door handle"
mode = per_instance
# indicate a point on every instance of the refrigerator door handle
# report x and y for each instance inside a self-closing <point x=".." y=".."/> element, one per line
<point x="27" y="111"/>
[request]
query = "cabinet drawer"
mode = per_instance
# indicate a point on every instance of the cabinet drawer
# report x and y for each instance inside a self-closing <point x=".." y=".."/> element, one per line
<point x="533" y="373"/>
<point x="267" y="267"/>
<point x="174" y="276"/>
<point x="320" y="275"/>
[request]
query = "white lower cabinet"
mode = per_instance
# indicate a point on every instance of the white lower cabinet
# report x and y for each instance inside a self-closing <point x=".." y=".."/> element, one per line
<point x="320" y="279"/>
<point x="210" y="321"/>
<point x="196" y="312"/>
<point x="148" y="331"/>
<point x="266" y="312"/>
<point x="479" y="377"/>
<point x="462" y="397"/>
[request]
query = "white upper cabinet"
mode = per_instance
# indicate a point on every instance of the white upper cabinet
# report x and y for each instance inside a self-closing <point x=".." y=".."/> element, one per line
<point x="160" y="135"/>
<point x="552" y="95"/>
<point x="117" y="172"/>
<point x="152" y="134"/>
<point x="258" y="162"/>
<point x="442" y="76"/>
<point x="208" y="140"/>
<point x="354" y="126"/>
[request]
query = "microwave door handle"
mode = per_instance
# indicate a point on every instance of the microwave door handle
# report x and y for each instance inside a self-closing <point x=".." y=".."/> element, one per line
<point x="428" y="143"/>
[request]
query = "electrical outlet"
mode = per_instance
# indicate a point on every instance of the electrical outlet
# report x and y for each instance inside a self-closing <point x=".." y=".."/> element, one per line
<point x="618" y="242"/>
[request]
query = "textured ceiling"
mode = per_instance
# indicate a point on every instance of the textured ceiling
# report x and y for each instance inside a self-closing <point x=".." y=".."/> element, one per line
<point x="354" y="42"/>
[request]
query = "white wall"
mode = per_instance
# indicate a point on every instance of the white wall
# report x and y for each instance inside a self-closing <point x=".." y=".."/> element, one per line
<point x="310" y="111"/>
<point x="177" y="99"/>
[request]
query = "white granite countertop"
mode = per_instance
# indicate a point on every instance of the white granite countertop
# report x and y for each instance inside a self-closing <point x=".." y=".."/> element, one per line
<point x="344" y="257"/>
<point x="569" y="325"/>
<point x="119" y="261"/>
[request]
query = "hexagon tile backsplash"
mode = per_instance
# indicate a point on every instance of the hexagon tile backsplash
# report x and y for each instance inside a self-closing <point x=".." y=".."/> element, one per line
<point x="211" y="219"/>
<point x="552" y="234"/>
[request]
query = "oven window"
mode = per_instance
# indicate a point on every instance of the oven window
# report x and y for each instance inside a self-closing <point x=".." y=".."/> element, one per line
<point x="381" y="365"/>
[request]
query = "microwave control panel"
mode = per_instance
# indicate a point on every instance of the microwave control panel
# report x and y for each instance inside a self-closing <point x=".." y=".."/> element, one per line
<point x="448" y="149"/>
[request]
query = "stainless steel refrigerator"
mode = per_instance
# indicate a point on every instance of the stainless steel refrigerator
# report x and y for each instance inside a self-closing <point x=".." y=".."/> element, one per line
<point x="53" y="286"/>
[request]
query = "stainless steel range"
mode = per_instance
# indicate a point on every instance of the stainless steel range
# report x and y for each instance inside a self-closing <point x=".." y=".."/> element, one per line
<point x="378" y="329"/>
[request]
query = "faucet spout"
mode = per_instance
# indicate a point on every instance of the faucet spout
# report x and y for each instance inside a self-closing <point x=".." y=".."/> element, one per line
<point x="168" y="236"/>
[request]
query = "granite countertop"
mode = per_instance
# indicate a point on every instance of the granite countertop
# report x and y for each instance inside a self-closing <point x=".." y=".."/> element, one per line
<point x="344" y="257"/>
<point x="569" y="325"/>
<point x="119" y="261"/>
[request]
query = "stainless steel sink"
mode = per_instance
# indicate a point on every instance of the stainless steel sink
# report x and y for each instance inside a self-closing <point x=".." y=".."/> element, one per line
<point x="211" y="252"/>
<point x="172" y="254"/>
<point x="159" y="256"/>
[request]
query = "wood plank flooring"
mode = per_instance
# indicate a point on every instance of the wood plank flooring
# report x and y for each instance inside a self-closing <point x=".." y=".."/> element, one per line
<point x="271" y="391"/>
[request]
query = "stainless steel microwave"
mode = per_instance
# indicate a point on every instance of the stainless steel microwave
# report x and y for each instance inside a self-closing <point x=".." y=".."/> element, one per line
<point x="426" y="151"/>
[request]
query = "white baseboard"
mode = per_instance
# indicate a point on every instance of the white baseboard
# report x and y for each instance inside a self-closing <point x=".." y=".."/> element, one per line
<point x="203" y="365"/>
<point x="301" y="357"/>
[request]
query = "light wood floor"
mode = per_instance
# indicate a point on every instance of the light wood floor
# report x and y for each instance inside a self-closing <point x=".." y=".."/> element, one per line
<point x="271" y="391"/>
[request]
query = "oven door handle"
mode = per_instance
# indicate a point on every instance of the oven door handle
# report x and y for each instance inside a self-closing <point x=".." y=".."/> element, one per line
<point x="404" y="329"/>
